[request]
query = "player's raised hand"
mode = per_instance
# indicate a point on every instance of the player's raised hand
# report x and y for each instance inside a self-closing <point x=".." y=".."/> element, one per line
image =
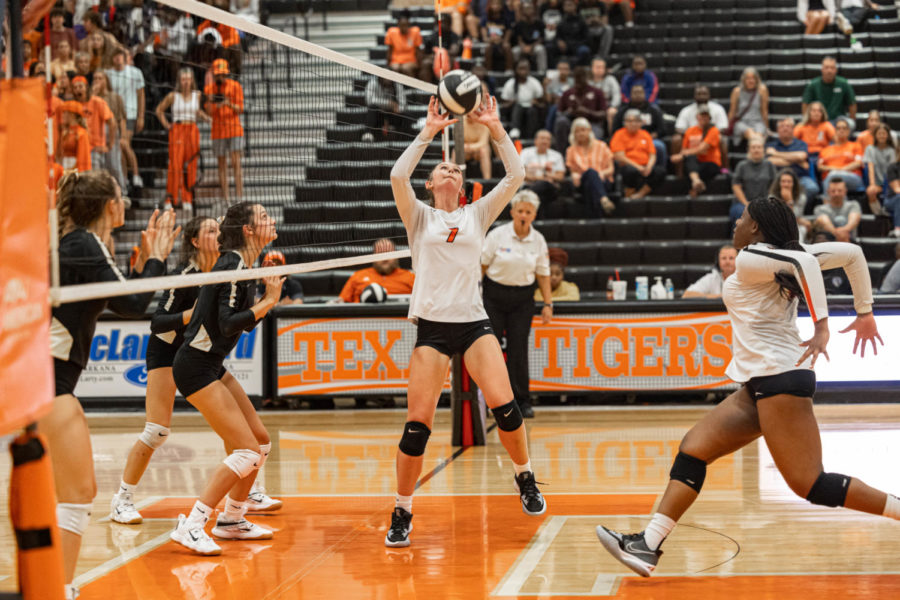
<point x="436" y="120"/>
<point x="866" y="331"/>
<point x="487" y="115"/>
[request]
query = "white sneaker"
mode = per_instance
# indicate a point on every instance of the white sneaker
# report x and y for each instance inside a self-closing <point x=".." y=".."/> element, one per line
<point x="843" y="24"/>
<point x="193" y="537"/>
<point x="136" y="181"/>
<point x="241" y="530"/>
<point x="368" y="137"/>
<point x="122" y="510"/>
<point x="259" y="501"/>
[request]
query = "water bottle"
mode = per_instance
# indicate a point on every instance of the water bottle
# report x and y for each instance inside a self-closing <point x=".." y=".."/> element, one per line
<point x="609" y="288"/>
<point x="670" y="289"/>
<point x="641" y="287"/>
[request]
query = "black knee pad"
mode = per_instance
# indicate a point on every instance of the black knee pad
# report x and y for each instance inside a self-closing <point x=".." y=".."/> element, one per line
<point x="509" y="417"/>
<point x="689" y="470"/>
<point x="830" y="489"/>
<point x="415" y="436"/>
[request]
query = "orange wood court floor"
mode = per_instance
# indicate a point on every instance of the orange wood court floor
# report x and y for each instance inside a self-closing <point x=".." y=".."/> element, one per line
<point x="747" y="537"/>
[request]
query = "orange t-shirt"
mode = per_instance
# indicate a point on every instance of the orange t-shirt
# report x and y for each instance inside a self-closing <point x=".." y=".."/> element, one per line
<point x="837" y="156"/>
<point x="637" y="147"/>
<point x="693" y="137"/>
<point x="75" y="143"/>
<point x="460" y="5"/>
<point x="226" y="121"/>
<point x="96" y="114"/>
<point x="815" y="136"/>
<point x="865" y="139"/>
<point x="597" y="157"/>
<point x="403" y="47"/>
<point x="398" y="282"/>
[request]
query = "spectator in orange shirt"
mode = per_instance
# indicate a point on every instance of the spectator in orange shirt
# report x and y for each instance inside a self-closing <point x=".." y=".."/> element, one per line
<point x="386" y="273"/>
<point x="591" y="164"/>
<point x="814" y="129"/>
<point x="73" y="146"/>
<point x="403" y="46"/>
<point x="228" y="37"/>
<point x="842" y="159"/>
<point x="867" y="137"/>
<point x="700" y="151"/>
<point x="101" y="123"/>
<point x="225" y="105"/>
<point x="634" y="152"/>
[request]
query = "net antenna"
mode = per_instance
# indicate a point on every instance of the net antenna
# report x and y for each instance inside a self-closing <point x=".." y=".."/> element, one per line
<point x="445" y="138"/>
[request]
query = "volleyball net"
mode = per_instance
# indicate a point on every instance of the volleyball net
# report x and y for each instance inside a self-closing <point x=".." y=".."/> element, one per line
<point x="316" y="133"/>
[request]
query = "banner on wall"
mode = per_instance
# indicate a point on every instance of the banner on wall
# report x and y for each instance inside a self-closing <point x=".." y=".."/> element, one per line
<point x="118" y="368"/>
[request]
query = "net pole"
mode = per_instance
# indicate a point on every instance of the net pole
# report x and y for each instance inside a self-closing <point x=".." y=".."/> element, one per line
<point x="16" y="57"/>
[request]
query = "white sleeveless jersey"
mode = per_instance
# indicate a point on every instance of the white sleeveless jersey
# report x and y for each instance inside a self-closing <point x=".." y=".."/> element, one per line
<point x="765" y="338"/>
<point x="446" y="246"/>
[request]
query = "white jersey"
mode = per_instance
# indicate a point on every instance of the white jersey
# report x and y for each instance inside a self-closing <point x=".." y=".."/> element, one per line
<point x="446" y="246"/>
<point x="765" y="338"/>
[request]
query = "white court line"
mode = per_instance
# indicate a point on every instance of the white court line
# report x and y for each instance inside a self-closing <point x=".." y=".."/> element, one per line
<point x="515" y="578"/>
<point x="138" y="505"/>
<point x="114" y="563"/>
<point x="605" y="585"/>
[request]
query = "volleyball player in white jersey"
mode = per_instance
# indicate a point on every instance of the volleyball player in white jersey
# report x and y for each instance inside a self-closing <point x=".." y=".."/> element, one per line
<point x="775" y="367"/>
<point x="446" y="241"/>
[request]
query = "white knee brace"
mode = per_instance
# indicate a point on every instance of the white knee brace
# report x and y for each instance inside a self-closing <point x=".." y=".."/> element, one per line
<point x="154" y="435"/>
<point x="243" y="462"/>
<point x="264" y="449"/>
<point x="73" y="517"/>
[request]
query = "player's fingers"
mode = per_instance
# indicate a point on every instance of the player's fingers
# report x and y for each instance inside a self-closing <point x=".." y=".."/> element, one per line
<point x="803" y="357"/>
<point x="879" y="339"/>
<point x="856" y="345"/>
<point x="846" y="329"/>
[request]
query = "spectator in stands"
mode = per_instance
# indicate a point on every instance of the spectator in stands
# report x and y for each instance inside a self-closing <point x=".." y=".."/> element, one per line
<point x="581" y="100"/>
<point x="101" y="124"/>
<point x="93" y="23"/>
<point x="815" y="15"/>
<point x="748" y="113"/>
<point x="386" y="273"/>
<point x="604" y="81"/>
<point x="591" y="164"/>
<point x="891" y="203"/>
<point x="752" y="179"/>
<point x="873" y="120"/>
<point x="572" y="37"/>
<point x="477" y="145"/>
<point x="625" y="6"/>
<point x="225" y="104"/>
<point x="291" y="290"/>
<point x="497" y="27"/>
<point x="523" y="97"/>
<point x="877" y="157"/>
<point x="560" y="289"/>
<point x="100" y="53"/>
<point x="852" y="14"/>
<point x="687" y="117"/>
<point x="890" y="284"/>
<point x="63" y="60"/>
<point x="101" y="89"/>
<point x="225" y="40"/>
<point x="639" y="75"/>
<point x="557" y="82"/>
<point x="128" y="82"/>
<point x="386" y="102"/>
<point x="833" y="91"/>
<point x="551" y="15"/>
<point x="633" y="151"/>
<point x="835" y="280"/>
<point x="83" y="67"/>
<point x="787" y="151"/>
<point x="403" y="42"/>
<point x="594" y="13"/>
<point x="700" y="152"/>
<point x="528" y="38"/>
<point x="73" y="146"/>
<point x="837" y="215"/>
<point x="454" y="11"/>
<point x="59" y="32"/>
<point x="62" y="87"/>
<point x="843" y="159"/>
<point x="814" y="129"/>
<point x="436" y="59"/>
<point x="545" y="168"/>
<point x="651" y="121"/>
<point x="710" y="285"/>
<point x="787" y="188"/>
<point x="481" y="73"/>
<point x="142" y="29"/>
<point x="177" y="34"/>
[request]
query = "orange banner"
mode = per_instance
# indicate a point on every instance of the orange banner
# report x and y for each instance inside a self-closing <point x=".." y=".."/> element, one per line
<point x="26" y="370"/>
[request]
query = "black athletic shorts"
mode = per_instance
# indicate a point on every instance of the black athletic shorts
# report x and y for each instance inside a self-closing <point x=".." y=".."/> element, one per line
<point x="451" y="338"/>
<point x="800" y="382"/>
<point x="66" y="374"/>
<point x="193" y="370"/>
<point x="159" y="354"/>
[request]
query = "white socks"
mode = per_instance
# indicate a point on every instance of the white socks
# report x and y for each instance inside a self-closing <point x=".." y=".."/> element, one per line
<point x="658" y="529"/>
<point x="127" y="488"/>
<point x="404" y="502"/>
<point x="200" y="513"/>
<point x="892" y="507"/>
<point x="234" y="510"/>
<point x="522" y="468"/>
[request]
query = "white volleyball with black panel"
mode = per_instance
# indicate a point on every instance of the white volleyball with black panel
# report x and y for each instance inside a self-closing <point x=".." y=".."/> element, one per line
<point x="460" y="92"/>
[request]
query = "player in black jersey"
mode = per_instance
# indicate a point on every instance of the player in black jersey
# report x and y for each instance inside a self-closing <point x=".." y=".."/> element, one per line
<point x="222" y="312"/>
<point x="90" y="207"/>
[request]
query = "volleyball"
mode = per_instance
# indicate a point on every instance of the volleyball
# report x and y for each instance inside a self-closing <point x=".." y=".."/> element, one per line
<point x="373" y="294"/>
<point x="460" y="92"/>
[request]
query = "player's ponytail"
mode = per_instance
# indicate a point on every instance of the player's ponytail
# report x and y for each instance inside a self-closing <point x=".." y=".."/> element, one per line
<point x="81" y="198"/>
<point x="778" y="225"/>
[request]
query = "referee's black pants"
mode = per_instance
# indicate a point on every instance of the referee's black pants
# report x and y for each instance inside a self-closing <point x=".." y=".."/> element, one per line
<point x="510" y="309"/>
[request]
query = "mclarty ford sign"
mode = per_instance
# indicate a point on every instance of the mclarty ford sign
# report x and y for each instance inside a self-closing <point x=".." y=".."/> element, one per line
<point x="117" y="367"/>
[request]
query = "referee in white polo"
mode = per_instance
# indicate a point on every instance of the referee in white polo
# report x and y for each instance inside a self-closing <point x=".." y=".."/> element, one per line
<point x="514" y="258"/>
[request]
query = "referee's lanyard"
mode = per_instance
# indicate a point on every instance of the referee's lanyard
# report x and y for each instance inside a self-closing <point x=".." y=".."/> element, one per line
<point x="509" y="294"/>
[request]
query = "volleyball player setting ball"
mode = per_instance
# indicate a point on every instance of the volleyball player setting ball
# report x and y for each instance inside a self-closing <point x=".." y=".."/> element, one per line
<point x="775" y="367"/>
<point x="223" y="311"/>
<point x="445" y="242"/>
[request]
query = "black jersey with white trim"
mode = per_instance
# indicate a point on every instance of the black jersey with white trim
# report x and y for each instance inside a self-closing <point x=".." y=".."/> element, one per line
<point x="168" y="320"/>
<point x="222" y="311"/>
<point x="84" y="258"/>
